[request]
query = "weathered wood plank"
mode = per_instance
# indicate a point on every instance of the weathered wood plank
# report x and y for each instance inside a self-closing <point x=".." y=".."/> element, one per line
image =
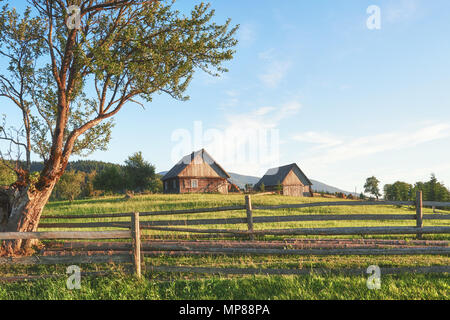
<point x="144" y="214"/>
<point x="87" y="216"/>
<point x="317" y="231"/>
<point x="303" y="251"/>
<point x="51" y="276"/>
<point x="249" y="210"/>
<point x="337" y="203"/>
<point x="419" y="213"/>
<point x="136" y="243"/>
<point x="436" y="204"/>
<point x="264" y="219"/>
<point x="193" y="222"/>
<point x="66" y="235"/>
<point x="271" y="219"/>
<point x="79" y="259"/>
<point x="88" y="246"/>
<point x="311" y="252"/>
<point x="436" y="216"/>
<point x="81" y="225"/>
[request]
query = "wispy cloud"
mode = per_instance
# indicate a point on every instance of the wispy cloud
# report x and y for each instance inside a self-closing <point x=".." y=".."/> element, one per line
<point x="275" y="72"/>
<point x="320" y="140"/>
<point x="249" y="141"/>
<point x="329" y="149"/>
<point x="232" y="99"/>
<point x="247" y="34"/>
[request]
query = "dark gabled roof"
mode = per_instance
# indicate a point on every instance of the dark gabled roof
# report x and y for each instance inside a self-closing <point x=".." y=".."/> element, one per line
<point x="275" y="176"/>
<point x="180" y="166"/>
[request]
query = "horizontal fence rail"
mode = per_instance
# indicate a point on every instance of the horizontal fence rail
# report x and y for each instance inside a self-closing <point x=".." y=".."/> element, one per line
<point x="133" y="251"/>
<point x="265" y="219"/>
<point x="335" y="204"/>
<point x="146" y="214"/>
<point x="436" y="204"/>
<point x="65" y="235"/>
<point x="318" y="231"/>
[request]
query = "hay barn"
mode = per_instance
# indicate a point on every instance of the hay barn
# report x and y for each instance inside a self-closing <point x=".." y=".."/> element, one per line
<point x="288" y="180"/>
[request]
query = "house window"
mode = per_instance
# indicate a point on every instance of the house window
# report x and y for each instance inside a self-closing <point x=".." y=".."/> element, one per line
<point x="194" y="183"/>
<point x="174" y="184"/>
<point x="166" y="185"/>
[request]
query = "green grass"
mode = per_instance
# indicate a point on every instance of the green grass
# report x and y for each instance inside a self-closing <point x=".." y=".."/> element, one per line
<point x="190" y="286"/>
<point x="178" y="202"/>
<point x="244" y="288"/>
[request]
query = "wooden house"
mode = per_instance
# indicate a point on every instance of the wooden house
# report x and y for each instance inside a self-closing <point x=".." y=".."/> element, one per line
<point x="197" y="172"/>
<point x="288" y="180"/>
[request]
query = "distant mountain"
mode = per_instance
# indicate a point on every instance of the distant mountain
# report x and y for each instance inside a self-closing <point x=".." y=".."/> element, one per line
<point x="322" y="187"/>
<point x="241" y="180"/>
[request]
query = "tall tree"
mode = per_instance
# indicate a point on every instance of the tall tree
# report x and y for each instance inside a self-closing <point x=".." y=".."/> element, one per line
<point x="433" y="190"/>
<point x="110" y="179"/>
<point x="125" y="50"/>
<point x="372" y="187"/>
<point x="70" y="186"/>
<point x="139" y="173"/>
<point x="399" y="191"/>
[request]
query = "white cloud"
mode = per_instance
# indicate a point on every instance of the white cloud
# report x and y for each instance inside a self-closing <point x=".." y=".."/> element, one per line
<point x="247" y="34"/>
<point x="232" y="99"/>
<point x="322" y="140"/>
<point x="263" y="111"/>
<point x="332" y="150"/>
<point x="275" y="72"/>
<point x="267" y="55"/>
<point x="249" y="142"/>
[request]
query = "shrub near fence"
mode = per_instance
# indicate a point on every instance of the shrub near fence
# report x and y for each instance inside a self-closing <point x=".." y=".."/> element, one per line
<point x="137" y="249"/>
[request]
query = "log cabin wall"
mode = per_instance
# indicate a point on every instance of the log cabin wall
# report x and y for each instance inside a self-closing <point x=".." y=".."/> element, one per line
<point x="292" y="186"/>
<point x="171" y="186"/>
<point x="203" y="185"/>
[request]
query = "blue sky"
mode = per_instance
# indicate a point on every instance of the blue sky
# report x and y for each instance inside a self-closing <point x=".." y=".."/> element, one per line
<point x="342" y="101"/>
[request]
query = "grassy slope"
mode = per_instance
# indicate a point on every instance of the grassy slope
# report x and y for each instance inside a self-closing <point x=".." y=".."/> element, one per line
<point x="186" y="286"/>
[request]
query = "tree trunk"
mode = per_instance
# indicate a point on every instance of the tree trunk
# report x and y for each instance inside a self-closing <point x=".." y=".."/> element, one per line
<point x="20" y="211"/>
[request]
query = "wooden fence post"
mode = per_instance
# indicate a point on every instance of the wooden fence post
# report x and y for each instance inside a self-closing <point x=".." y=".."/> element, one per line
<point x="248" y="205"/>
<point x="136" y="243"/>
<point x="419" y="212"/>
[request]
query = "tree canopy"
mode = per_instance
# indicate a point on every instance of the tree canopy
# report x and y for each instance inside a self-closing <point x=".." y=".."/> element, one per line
<point x="372" y="187"/>
<point x="432" y="190"/>
<point x="69" y="83"/>
<point x="71" y="66"/>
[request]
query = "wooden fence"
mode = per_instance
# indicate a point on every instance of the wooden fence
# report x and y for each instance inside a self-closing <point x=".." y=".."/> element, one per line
<point x="134" y="234"/>
<point x="134" y="251"/>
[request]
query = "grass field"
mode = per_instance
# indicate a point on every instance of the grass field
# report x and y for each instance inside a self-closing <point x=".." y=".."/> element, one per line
<point x="190" y="286"/>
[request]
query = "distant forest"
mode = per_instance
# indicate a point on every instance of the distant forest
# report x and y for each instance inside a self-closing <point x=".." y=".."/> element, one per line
<point x="86" y="166"/>
<point x="89" y="178"/>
